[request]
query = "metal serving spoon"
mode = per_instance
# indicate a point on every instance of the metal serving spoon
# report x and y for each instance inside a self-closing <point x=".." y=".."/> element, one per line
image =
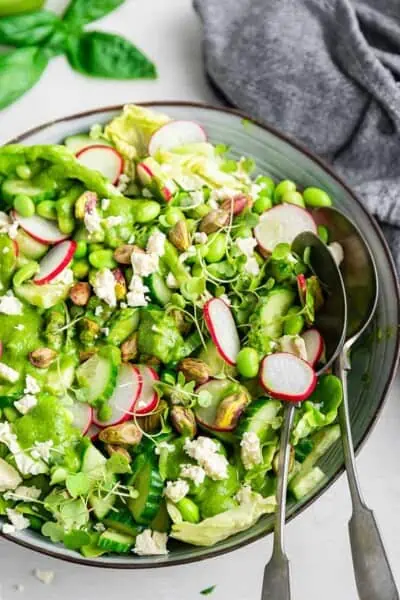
<point x="374" y="577"/>
<point x="331" y="322"/>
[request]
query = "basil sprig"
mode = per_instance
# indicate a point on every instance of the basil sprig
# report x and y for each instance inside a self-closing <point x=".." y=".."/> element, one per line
<point x="41" y="34"/>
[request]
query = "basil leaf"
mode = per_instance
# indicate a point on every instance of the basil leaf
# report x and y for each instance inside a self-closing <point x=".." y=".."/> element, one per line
<point x="27" y="29"/>
<point x="19" y="71"/>
<point x="81" y="12"/>
<point x="107" y="55"/>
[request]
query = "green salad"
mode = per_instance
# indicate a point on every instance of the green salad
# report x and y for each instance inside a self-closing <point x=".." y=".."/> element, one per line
<point x="151" y="308"/>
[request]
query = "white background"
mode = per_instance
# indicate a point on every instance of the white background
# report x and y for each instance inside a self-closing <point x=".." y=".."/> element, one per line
<point x="317" y="544"/>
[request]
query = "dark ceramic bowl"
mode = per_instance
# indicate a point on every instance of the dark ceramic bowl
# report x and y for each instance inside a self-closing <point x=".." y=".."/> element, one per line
<point x="374" y="360"/>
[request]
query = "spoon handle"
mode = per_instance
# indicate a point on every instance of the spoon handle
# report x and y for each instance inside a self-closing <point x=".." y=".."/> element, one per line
<point x="276" y="583"/>
<point x="374" y="577"/>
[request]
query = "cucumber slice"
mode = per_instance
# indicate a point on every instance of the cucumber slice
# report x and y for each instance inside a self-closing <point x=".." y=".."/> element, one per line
<point x="99" y="376"/>
<point x="159" y="291"/>
<point x="14" y="187"/>
<point x="112" y="541"/>
<point x="149" y="485"/>
<point x="60" y="376"/>
<point x="122" y="521"/>
<point x="102" y="505"/>
<point x="91" y="551"/>
<point x="42" y="296"/>
<point x="303" y="484"/>
<point x="93" y="462"/>
<point x="260" y="417"/>
<point x="274" y="307"/>
<point x="30" y="247"/>
<point x="212" y="358"/>
<point x="80" y="141"/>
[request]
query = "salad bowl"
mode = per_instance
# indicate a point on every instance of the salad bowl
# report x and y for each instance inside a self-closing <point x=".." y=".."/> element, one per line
<point x="374" y="359"/>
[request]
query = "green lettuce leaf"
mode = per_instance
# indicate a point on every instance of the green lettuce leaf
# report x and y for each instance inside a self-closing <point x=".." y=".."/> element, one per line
<point x="215" y="529"/>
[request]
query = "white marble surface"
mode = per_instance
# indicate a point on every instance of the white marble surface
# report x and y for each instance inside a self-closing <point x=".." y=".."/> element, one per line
<point x="316" y="542"/>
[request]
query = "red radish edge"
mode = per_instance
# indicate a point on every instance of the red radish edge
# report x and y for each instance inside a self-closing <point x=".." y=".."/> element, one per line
<point x="85" y="411"/>
<point x="96" y="147"/>
<point x="16" y="248"/>
<point x="1" y="349"/>
<point x="70" y="248"/>
<point x="121" y="414"/>
<point x="314" y="345"/>
<point x="145" y="174"/>
<point x="28" y="224"/>
<point x="148" y="396"/>
<point x="292" y="359"/>
<point x="197" y="134"/>
<point x="93" y="432"/>
<point x="211" y="326"/>
<point x="301" y="213"/>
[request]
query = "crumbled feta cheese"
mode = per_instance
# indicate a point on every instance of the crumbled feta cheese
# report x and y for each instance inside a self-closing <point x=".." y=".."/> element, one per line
<point x="23" y="493"/>
<point x="98" y="311"/>
<point x="8" y="226"/>
<point x="132" y="238"/>
<point x="99" y="527"/>
<point x="123" y="305"/>
<point x="144" y="264"/>
<point x="255" y="189"/>
<point x="336" y="250"/>
<point x="45" y="577"/>
<point x="31" y="385"/>
<point x="293" y="344"/>
<point x="25" y="464"/>
<point x="176" y="490"/>
<point x="213" y="204"/>
<point x="225" y="298"/>
<point x="104" y="287"/>
<point x="250" y="450"/>
<point x="223" y="193"/>
<point x="156" y="243"/>
<point x="10" y="305"/>
<point x="105" y="203"/>
<point x="123" y="178"/>
<point x="105" y="330"/>
<point x="114" y="221"/>
<point x="200" y="237"/>
<point x="137" y="292"/>
<point x="92" y="219"/>
<point x="151" y="543"/>
<point x="42" y="450"/>
<point x="191" y="251"/>
<point x="19" y="327"/>
<point x="205" y="452"/>
<point x="17" y="519"/>
<point x="197" y="198"/>
<point x="26" y="403"/>
<point x="66" y="277"/>
<point x="146" y="193"/>
<point x="244" y="495"/>
<point x="13" y="230"/>
<point x="246" y="245"/>
<point x="7" y="528"/>
<point x="8" y="373"/>
<point x="164" y="446"/>
<point x="194" y="472"/>
<point x="171" y="281"/>
<point x="6" y="250"/>
<point x="252" y="267"/>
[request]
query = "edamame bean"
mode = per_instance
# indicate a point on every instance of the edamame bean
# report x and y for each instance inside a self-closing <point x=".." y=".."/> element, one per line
<point x="248" y="362"/>
<point x="197" y="270"/>
<point x="323" y="233"/>
<point x="24" y="205"/>
<point x="102" y="259"/>
<point x="316" y="197"/>
<point x="243" y="232"/>
<point x="283" y="186"/>
<point x="189" y="510"/>
<point x="47" y="209"/>
<point x="23" y="172"/>
<point x="293" y="198"/>
<point x="267" y="184"/>
<point x="10" y="413"/>
<point x="173" y="215"/>
<point x="262" y="204"/>
<point x="146" y="210"/>
<point x="26" y="272"/>
<point x="80" y="269"/>
<point x="93" y="247"/>
<point x="81" y="249"/>
<point x="216" y="247"/>
<point x="294" y="322"/>
<point x="65" y="209"/>
<point x="200" y="211"/>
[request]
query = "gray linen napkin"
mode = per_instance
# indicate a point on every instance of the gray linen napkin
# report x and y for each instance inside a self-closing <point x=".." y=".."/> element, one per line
<point x="325" y="72"/>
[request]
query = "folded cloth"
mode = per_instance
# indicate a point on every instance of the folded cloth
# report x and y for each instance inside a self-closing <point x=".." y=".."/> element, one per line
<point x="325" y="72"/>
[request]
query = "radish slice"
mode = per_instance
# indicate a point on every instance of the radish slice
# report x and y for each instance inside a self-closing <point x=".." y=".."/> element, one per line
<point x="104" y="159"/>
<point x="148" y="398"/>
<point x="222" y="327"/>
<point x="55" y="261"/>
<point x="144" y="173"/>
<point x="93" y="432"/>
<point x="123" y="400"/>
<point x="286" y="377"/>
<point x="281" y="224"/>
<point x="175" y="134"/>
<point x="40" y="229"/>
<point x="83" y="416"/>
<point x="314" y="345"/>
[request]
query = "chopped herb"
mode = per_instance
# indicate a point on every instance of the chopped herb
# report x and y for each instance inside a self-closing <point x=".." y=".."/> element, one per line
<point x="208" y="591"/>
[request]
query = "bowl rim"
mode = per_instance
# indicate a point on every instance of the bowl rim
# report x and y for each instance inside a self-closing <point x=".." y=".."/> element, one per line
<point x="214" y="552"/>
